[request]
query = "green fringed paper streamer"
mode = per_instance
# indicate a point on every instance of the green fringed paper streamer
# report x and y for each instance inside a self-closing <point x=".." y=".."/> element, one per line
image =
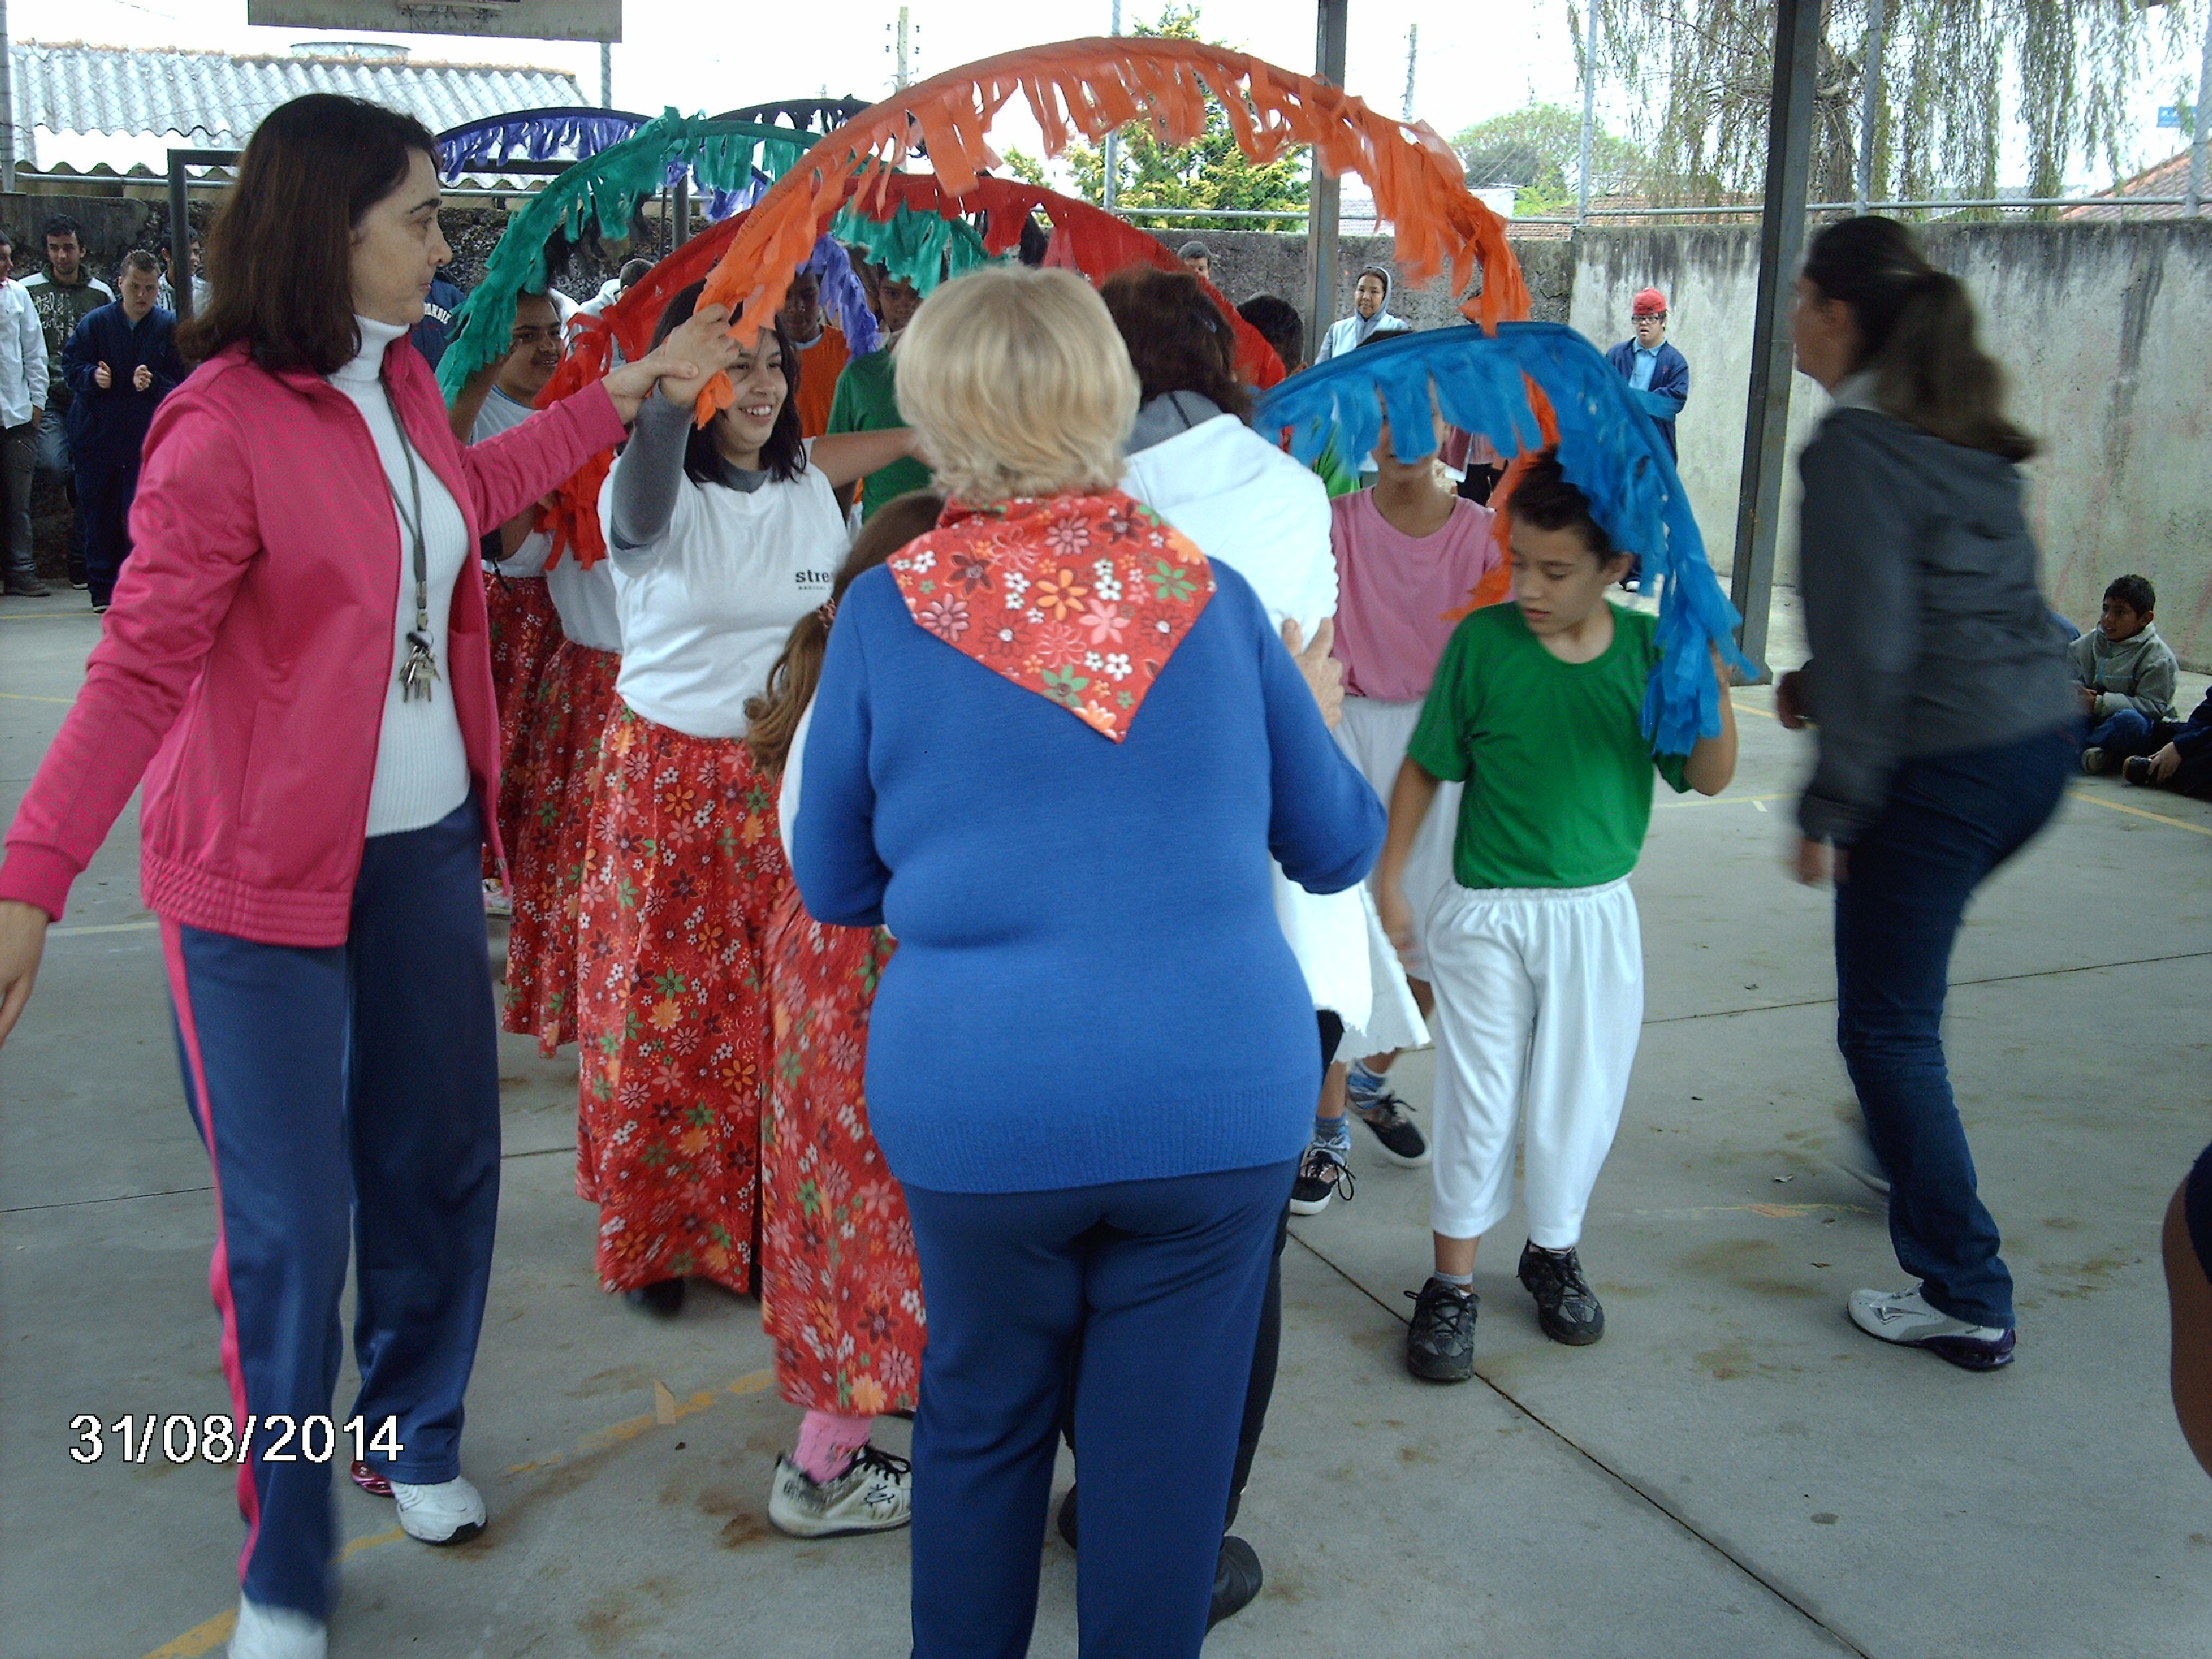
<point x="722" y="156"/>
<point x="921" y="248"/>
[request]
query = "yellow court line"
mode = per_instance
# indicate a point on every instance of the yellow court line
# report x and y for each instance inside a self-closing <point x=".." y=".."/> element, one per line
<point x="105" y="927"/>
<point x="206" y="1637"/>
<point x="25" y="696"/>
<point x="2140" y="812"/>
<point x="1722" y="800"/>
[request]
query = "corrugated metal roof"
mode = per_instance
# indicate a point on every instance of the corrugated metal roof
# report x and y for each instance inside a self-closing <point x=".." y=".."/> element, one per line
<point x="215" y="98"/>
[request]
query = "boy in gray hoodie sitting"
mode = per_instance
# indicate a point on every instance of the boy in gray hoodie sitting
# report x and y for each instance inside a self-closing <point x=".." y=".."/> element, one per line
<point x="2126" y="674"/>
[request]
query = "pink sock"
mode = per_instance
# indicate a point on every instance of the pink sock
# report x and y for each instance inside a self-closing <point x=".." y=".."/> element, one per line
<point x="827" y="1442"/>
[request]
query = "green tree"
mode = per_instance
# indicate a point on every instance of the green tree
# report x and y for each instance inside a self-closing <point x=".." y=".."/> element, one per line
<point x="1210" y="174"/>
<point x="1956" y="77"/>
<point x="1538" y="149"/>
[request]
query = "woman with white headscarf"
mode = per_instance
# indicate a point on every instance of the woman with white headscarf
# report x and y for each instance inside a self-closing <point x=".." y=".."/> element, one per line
<point x="1370" y="315"/>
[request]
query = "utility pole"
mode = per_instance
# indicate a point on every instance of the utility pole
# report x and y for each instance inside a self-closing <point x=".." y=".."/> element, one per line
<point x="606" y="75"/>
<point x="1589" y="109"/>
<point x="900" y="76"/>
<point x="1869" y="104"/>
<point x="1412" y="56"/>
<point x="1112" y="190"/>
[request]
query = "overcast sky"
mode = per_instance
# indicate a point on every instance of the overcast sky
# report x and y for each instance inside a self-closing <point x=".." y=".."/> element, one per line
<point x="1474" y="60"/>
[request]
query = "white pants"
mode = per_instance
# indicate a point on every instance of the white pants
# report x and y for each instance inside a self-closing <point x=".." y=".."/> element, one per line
<point x="1375" y="733"/>
<point x="1540" y="1003"/>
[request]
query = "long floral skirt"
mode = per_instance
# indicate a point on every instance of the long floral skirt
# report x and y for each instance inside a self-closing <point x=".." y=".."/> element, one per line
<point x="525" y="632"/>
<point x="545" y="861"/>
<point x="841" y="1290"/>
<point x="685" y="874"/>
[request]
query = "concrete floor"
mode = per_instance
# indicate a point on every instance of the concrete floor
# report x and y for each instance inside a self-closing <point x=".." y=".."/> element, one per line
<point x="1733" y="1472"/>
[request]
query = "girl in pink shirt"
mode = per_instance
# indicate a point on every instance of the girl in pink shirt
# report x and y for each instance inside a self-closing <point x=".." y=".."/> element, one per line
<point x="1410" y="557"/>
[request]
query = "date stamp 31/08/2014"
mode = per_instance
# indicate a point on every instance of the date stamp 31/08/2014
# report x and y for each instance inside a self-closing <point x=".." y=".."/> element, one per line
<point x="275" y="1438"/>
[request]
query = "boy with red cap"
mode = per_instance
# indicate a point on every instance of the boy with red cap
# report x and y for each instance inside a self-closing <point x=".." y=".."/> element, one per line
<point x="1650" y="364"/>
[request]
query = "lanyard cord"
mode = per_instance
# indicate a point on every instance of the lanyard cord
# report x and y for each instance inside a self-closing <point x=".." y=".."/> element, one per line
<point x="420" y="670"/>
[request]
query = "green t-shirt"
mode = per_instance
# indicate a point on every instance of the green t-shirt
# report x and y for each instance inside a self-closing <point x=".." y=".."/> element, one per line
<point x="866" y="401"/>
<point x="1556" y="767"/>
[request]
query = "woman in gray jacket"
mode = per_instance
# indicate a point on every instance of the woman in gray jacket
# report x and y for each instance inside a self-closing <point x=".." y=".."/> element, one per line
<point x="1948" y="725"/>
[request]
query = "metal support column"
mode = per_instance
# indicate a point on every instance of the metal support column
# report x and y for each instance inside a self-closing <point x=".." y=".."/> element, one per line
<point x="7" y="113"/>
<point x="682" y="210"/>
<point x="1589" y="55"/>
<point x="1332" y="25"/>
<point x="1781" y="240"/>
<point x="1111" y="189"/>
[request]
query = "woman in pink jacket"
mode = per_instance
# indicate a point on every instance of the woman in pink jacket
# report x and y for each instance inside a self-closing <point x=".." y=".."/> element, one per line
<point x="305" y="686"/>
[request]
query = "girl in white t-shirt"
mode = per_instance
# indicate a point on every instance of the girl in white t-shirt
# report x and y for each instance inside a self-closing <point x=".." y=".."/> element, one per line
<point x="721" y="537"/>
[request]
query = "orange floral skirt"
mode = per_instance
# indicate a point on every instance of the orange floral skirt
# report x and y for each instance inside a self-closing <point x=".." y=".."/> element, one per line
<point x="525" y="632"/>
<point x="684" y="876"/>
<point x="841" y="1290"/>
<point x="545" y="861"/>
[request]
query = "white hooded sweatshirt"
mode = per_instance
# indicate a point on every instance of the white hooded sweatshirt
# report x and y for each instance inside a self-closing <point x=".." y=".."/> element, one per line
<point x="1245" y="503"/>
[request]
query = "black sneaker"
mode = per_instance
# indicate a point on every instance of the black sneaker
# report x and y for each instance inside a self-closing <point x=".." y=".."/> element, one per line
<point x="1440" y="1342"/>
<point x="1566" y="1307"/>
<point x="27" y="588"/>
<point x="1321" y="1172"/>
<point x="1068" y="1518"/>
<point x="2135" y="769"/>
<point x="663" y="1298"/>
<point x="1236" y="1580"/>
<point x="1396" y="1135"/>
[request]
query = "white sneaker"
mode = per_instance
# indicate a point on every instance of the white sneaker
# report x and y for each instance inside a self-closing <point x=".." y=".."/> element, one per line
<point x="496" y="902"/>
<point x="1905" y="1317"/>
<point x="265" y="1632"/>
<point x="875" y="1494"/>
<point x="450" y="1512"/>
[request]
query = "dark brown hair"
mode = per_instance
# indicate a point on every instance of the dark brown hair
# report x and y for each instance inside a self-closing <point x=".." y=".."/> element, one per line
<point x="1279" y="325"/>
<point x="283" y="241"/>
<point x="1917" y="333"/>
<point x="1542" y="497"/>
<point x="1177" y="337"/>
<point x="784" y="454"/>
<point x="772" y="718"/>
<point x="140" y="261"/>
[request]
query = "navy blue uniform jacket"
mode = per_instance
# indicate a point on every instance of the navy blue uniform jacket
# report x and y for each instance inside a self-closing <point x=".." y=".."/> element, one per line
<point x="107" y="428"/>
<point x="1670" y="379"/>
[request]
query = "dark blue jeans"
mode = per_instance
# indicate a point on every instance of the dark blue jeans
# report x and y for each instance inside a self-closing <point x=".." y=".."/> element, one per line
<point x="1143" y="1297"/>
<point x="2128" y="732"/>
<point x="1950" y="820"/>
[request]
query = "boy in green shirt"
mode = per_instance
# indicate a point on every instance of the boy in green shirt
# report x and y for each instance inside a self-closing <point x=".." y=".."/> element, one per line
<point x="1534" y="951"/>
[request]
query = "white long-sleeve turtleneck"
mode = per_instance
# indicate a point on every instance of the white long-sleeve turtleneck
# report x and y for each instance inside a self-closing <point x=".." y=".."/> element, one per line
<point x="421" y="770"/>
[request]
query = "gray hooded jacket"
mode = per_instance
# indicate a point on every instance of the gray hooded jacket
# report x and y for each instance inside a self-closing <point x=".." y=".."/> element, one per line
<point x="1928" y="624"/>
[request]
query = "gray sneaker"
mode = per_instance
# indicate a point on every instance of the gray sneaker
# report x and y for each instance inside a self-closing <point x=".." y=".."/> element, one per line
<point x="874" y="1494"/>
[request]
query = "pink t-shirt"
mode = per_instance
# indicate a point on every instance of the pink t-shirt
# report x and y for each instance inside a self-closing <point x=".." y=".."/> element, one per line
<point x="1396" y="593"/>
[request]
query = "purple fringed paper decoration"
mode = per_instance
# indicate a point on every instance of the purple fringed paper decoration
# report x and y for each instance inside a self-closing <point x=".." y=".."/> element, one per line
<point x="842" y="295"/>
<point x="535" y="134"/>
<point x="1609" y="449"/>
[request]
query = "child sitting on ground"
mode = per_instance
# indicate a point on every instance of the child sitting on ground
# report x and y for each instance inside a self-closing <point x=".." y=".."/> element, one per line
<point x="2126" y="674"/>
<point x="1534" y="952"/>
<point x="2175" y="755"/>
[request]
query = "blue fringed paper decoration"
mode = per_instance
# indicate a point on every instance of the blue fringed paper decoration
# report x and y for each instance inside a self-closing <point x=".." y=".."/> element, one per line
<point x="843" y="295"/>
<point x="535" y="134"/>
<point x="1608" y="448"/>
<point x="728" y="157"/>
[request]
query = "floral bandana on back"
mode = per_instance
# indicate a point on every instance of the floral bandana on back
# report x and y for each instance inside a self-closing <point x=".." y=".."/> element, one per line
<point x="1079" y="599"/>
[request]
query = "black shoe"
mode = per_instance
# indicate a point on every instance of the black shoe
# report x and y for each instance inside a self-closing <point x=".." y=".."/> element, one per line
<point x="27" y="588"/>
<point x="2135" y="769"/>
<point x="79" y="577"/>
<point x="1397" y="1138"/>
<point x="663" y="1298"/>
<point x="1236" y="1580"/>
<point x="1566" y="1307"/>
<point x="1440" y="1342"/>
<point x="2093" y="763"/>
<point x="1067" y="1518"/>
<point x="1322" y="1174"/>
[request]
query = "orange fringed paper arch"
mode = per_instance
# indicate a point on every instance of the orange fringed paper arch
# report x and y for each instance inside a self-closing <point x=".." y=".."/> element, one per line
<point x="1087" y="89"/>
<point x="1085" y="238"/>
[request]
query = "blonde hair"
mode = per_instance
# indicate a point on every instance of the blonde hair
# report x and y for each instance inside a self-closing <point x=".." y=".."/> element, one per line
<point x="1017" y="384"/>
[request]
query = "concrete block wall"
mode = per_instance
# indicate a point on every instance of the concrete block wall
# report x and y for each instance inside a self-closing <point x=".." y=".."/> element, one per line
<point x="2103" y="330"/>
